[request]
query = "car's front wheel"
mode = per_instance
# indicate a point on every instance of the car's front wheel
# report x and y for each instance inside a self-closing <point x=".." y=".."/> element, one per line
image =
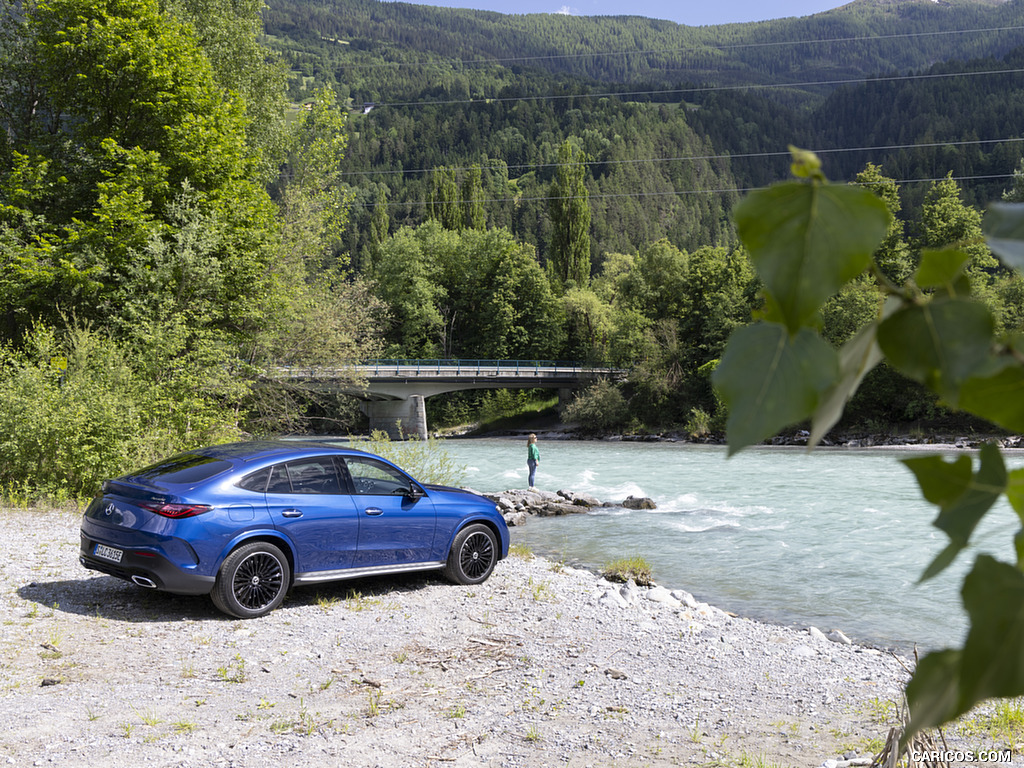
<point x="253" y="580"/>
<point x="473" y="555"/>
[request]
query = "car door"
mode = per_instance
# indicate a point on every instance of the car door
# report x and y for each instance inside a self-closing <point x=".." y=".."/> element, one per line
<point x="309" y="502"/>
<point x="396" y="520"/>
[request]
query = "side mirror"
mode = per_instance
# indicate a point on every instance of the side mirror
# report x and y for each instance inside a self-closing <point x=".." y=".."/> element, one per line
<point x="414" y="493"/>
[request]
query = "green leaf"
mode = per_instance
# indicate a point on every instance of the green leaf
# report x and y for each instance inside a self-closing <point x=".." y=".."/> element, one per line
<point x="941" y="343"/>
<point x="941" y="482"/>
<point x="808" y="240"/>
<point x="943" y="269"/>
<point x="998" y="397"/>
<point x="1003" y="226"/>
<point x="856" y="358"/>
<point x="993" y="654"/>
<point x="933" y="691"/>
<point x="769" y="380"/>
<point x="941" y="562"/>
<point x="1015" y="491"/>
<point x="991" y="665"/>
<point x="962" y="496"/>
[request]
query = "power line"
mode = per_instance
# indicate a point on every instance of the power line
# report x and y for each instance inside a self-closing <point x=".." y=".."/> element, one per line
<point x="660" y="51"/>
<point x="693" y="158"/>
<point x="701" y="89"/>
<point x="672" y="193"/>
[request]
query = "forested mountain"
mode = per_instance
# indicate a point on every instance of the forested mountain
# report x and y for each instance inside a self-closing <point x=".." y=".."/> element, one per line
<point x="379" y="51"/>
<point x="642" y="181"/>
<point x="965" y="117"/>
<point x="674" y="120"/>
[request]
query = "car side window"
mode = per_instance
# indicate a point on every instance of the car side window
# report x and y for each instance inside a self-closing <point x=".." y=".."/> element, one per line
<point x="374" y="478"/>
<point x="316" y="475"/>
<point x="279" y="482"/>
<point x="255" y="481"/>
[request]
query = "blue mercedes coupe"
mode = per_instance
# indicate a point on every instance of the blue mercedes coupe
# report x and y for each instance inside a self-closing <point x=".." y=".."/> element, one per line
<point x="245" y="522"/>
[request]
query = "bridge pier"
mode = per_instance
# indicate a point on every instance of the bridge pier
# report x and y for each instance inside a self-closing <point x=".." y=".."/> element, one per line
<point x="565" y="396"/>
<point x="399" y="418"/>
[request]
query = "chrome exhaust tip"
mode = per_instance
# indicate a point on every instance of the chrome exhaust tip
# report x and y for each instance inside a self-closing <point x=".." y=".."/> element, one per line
<point x="142" y="581"/>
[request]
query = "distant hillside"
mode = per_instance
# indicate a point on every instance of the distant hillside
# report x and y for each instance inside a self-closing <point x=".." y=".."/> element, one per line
<point x="381" y="52"/>
<point x="676" y="120"/>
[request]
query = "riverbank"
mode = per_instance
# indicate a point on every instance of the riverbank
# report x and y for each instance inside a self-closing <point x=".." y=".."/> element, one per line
<point x="799" y="438"/>
<point x="542" y="665"/>
<point x="550" y="427"/>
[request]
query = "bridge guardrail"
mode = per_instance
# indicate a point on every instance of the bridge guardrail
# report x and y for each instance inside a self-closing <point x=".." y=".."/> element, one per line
<point x="459" y="367"/>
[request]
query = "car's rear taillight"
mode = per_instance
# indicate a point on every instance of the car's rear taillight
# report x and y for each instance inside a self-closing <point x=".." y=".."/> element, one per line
<point x="166" y="509"/>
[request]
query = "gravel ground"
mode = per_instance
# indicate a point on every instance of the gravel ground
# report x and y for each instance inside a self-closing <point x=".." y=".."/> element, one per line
<point x="535" y="667"/>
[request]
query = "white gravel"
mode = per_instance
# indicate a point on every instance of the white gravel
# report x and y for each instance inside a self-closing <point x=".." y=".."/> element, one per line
<point x="532" y="668"/>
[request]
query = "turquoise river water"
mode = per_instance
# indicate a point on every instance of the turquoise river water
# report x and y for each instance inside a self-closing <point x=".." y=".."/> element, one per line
<point x="836" y="538"/>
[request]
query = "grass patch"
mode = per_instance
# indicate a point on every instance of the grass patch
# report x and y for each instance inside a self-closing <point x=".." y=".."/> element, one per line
<point x="625" y="568"/>
<point x="542" y="592"/>
<point x="1004" y="724"/>
<point x="521" y="551"/>
<point x="233" y="671"/>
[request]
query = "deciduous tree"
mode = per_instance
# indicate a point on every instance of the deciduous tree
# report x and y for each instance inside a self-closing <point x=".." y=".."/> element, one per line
<point x="569" y="253"/>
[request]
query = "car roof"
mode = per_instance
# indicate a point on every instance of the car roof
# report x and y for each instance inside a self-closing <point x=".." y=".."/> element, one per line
<point x="178" y="472"/>
<point x="254" y="450"/>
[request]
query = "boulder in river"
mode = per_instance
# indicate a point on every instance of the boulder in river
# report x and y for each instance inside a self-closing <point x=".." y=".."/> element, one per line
<point x="639" y="502"/>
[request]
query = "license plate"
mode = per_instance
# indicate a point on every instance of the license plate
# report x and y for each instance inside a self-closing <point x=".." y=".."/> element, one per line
<point x="108" y="553"/>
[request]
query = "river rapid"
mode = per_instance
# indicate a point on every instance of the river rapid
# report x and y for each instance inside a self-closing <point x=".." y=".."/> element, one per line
<point x="837" y="538"/>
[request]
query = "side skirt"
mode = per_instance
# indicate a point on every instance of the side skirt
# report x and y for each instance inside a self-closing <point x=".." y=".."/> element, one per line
<point x="315" y="577"/>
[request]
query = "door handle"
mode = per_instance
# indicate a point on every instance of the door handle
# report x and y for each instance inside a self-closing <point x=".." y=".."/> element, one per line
<point x="291" y="513"/>
<point x="374" y="511"/>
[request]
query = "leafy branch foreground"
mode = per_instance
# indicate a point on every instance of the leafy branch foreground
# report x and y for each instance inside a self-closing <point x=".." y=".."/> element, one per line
<point x="808" y="239"/>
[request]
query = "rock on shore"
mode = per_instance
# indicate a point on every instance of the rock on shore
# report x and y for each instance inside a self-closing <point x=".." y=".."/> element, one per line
<point x="518" y="505"/>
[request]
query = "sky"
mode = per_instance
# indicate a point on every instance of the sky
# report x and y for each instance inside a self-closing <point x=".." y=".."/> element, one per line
<point x="691" y="12"/>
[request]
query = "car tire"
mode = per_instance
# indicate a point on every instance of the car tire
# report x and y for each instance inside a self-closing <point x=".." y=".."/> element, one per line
<point x="473" y="555"/>
<point x="253" y="580"/>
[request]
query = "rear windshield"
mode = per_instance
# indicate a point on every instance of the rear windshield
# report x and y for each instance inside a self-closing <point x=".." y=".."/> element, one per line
<point x="183" y="469"/>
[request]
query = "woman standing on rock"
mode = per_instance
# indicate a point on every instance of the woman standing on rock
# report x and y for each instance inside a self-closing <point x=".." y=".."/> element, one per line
<point x="532" y="457"/>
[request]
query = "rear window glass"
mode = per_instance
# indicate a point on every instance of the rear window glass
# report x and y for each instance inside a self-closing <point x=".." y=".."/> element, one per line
<point x="257" y="481"/>
<point x="183" y="469"/>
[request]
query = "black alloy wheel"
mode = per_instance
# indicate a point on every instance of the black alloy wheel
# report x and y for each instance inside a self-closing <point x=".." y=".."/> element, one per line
<point x="473" y="555"/>
<point x="253" y="581"/>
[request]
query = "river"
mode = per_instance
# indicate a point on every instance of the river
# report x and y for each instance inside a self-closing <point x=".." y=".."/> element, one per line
<point x="835" y="539"/>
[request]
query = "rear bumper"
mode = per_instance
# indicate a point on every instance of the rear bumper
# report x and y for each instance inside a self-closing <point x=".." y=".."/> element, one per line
<point x="146" y="569"/>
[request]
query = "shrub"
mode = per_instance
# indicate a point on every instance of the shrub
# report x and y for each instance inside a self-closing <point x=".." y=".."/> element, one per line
<point x="699" y="423"/>
<point x="426" y="460"/>
<point x="601" y="406"/>
<point x="74" y="412"/>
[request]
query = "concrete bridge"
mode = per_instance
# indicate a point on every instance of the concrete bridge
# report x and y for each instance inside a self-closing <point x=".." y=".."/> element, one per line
<point x="396" y="390"/>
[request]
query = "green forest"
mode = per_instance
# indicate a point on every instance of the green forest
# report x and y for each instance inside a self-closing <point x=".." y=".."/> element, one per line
<point x="195" y="191"/>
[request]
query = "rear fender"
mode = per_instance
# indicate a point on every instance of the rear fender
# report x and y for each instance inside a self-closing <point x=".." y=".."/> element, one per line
<point x="270" y="536"/>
